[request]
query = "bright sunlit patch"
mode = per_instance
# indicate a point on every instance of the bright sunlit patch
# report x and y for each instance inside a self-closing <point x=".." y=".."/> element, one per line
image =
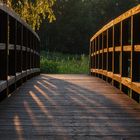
<point x="30" y="113"/>
<point x="18" y="127"/>
<point x="48" y="88"/>
<point x="44" y="94"/>
<point x="50" y="84"/>
<point x="40" y="104"/>
<point x="32" y="117"/>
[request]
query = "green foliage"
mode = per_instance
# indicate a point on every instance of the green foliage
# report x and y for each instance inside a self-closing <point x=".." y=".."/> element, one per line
<point x="33" y="12"/>
<point x="63" y="63"/>
<point x="77" y="21"/>
<point x="49" y="66"/>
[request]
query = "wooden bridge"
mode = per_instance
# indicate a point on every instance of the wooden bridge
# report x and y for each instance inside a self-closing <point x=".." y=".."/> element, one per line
<point x="70" y="107"/>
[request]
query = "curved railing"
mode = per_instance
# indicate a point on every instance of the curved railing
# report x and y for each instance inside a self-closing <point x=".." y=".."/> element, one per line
<point x="115" y="53"/>
<point x="19" y="51"/>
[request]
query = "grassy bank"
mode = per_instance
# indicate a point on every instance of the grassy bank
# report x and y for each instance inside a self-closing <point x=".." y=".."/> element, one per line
<point x="64" y="63"/>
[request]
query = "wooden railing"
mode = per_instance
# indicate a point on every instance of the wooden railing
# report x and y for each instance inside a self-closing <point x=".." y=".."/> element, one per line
<point x="115" y="53"/>
<point x="19" y="51"/>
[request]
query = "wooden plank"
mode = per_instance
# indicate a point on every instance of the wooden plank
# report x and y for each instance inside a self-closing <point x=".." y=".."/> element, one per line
<point x="24" y="73"/>
<point x="123" y="80"/>
<point x="11" y="80"/>
<point x="28" y="49"/>
<point x="110" y="49"/>
<point x="117" y="77"/>
<point x="127" y="48"/>
<point x="18" y="76"/>
<point x="23" y="48"/>
<point x="11" y="46"/>
<point x="69" y="107"/>
<point x="3" y="85"/>
<point x="117" y="48"/>
<point x="110" y="74"/>
<point x="101" y="51"/>
<point x="136" y="87"/>
<point x="137" y="48"/>
<point x="28" y="71"/>
<point x="105" y="50"/>
<point x="97" y="52"/>
<point x="2" y="46"/>
<point x="18" y="47"/>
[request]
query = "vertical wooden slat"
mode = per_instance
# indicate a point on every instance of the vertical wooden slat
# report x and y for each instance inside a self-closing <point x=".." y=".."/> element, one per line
<point x="102" y="51"/>
<point x="39" y="54"/>
<point x="121" y="53"/>
<point x="36" y="51"/>
<point x="132" y="54"/>
<point x="15" y="49"/>
<point x="107" y="55"/>
<point x="90" y="57"/>
<point x="7" y="51"/>
<point x="12" y="41"/>
<point x="95" y="53"/>
<point x="113" y="53"/>
<point x="133" y="65"/>
<point x="32" y="52"/>
<point x="30" y="44"/>
<point x="15" y="53"/>
<point x="22" y="48"/>
<point x="28" y="53"/>
<point x="98" y="52"/>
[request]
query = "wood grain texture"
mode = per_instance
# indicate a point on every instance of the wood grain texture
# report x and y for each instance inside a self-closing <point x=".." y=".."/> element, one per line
<point x="69" y="107"/>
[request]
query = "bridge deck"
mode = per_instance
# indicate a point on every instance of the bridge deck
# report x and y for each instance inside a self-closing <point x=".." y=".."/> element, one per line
<point x="69" y="107"/>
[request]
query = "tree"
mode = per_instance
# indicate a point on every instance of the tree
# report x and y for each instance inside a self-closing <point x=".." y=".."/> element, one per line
<point x="34" y="11"/>
<point x="77" y="21"/>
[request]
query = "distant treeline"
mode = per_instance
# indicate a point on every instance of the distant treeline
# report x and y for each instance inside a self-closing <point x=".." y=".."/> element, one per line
<point x="77" y="20"/>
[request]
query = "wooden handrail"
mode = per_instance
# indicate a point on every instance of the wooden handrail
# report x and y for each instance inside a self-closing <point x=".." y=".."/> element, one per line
<point x="19" y="51"/>
<point x="122" y="17"/>
<point x="116" y="49"/>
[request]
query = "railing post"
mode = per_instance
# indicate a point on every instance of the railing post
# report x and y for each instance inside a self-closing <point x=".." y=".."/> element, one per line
<point x="90" y="58"/>
<point x="113" y="54"/>
<point x="6" y="38"/>
<point x="121" y="54"/>
<point x="7" y="51"/>
<point x="132" y="56"/>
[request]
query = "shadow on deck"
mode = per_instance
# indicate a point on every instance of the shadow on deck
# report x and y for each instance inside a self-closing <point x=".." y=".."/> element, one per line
<point x="69" y="107"/>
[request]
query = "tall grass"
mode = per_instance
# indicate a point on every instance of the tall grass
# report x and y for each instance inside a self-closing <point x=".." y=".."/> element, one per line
<point x="64" y="63"/>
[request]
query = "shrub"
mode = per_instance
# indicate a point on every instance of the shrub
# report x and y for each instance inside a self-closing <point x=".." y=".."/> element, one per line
<point x="48" y="66"/>
<point x="64" y="63"/>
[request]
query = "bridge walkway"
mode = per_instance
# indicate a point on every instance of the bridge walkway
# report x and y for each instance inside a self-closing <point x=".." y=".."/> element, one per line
<point x="69" y="107"/>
